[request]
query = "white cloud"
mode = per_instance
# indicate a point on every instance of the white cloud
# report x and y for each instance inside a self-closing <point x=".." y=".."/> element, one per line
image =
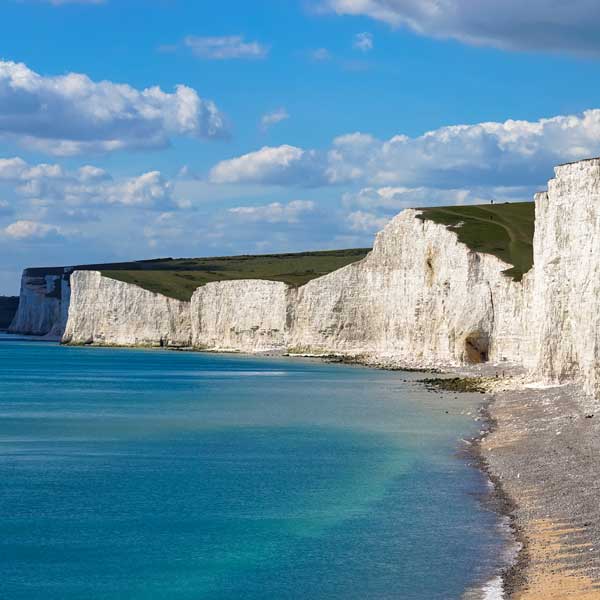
<point x="371" y="208"/>
<point x="509" y="153"/>
<point x="510" y="24"/>
<point x="275" y="212"/>
<point x="274" y="117"/>
<point x="148" y="190"/>
<point x="366" y="222"/>
<point x="225" y="47"/>
<point x="31" y="230"/>
<point x="394" y="199"/>
<point x="71" y="114"/>
<point x="274" y="165"/>
<point x="363" y="41"/>
<point x="50" y="185"/>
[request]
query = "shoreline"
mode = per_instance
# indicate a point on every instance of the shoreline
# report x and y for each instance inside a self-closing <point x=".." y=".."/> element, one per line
<point x="554" y="551"/>
<point x="509" y="578"/>
<point x="538" y="451"/>
<point x="513" y="575"/>
<point x="537" y="447"/>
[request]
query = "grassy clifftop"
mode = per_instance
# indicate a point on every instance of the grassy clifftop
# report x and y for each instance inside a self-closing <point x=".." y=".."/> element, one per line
<point x="178" y="278"/>
<point x="504" y="230"/>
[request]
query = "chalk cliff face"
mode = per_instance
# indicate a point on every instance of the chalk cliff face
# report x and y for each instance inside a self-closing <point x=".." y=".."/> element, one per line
<point x="420" y="297"/>
<point x="104" y="311"/>
<point x="245" y="315"/>
<point x="565" y="298"/>
<point x="43" y="305"/>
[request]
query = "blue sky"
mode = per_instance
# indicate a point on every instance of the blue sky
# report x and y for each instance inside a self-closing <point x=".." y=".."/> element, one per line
<point x="297" y="124"/>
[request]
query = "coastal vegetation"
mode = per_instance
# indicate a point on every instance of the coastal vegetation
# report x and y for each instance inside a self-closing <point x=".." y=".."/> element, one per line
<point x="179" y="278"/>
<point x="504" y="230"/>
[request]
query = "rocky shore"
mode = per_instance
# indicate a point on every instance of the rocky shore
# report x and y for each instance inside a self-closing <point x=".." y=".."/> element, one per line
<point x="541" y="449"/>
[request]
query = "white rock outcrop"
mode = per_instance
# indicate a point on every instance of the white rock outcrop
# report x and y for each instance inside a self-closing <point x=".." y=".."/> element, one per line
<point x="564" y="316"/>
<point x="105" y="311"/>
<point x="43" y="305"/>
<point x="244" y="315"/>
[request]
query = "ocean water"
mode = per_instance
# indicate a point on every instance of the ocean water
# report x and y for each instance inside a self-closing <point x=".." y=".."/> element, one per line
<point x="151" y="475"/>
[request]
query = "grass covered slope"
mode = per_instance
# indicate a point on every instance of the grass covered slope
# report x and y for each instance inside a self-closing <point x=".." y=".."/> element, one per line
<point x="504" y="230"/>
<point x="178" y="278"/>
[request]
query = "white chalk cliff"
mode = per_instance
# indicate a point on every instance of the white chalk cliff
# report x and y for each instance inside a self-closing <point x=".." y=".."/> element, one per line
<point x="43" y="305"/>
<point x="420" y="298"/>
<point x="246" y="315"/>
<point x="565" y="295"/>
<point x="109" y="312"/>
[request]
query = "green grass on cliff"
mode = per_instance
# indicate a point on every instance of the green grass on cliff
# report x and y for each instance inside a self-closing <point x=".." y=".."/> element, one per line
<point x="178" y="278"/>
<point x="504" y="230"/>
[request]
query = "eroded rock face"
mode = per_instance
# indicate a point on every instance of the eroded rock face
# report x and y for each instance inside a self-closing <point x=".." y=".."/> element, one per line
<point x="43" y="305"/>
<point x="565" y="295"/>
<point x="104" y="311"/>
<point x="420" y="297"/>
<point x="244" y="315"/>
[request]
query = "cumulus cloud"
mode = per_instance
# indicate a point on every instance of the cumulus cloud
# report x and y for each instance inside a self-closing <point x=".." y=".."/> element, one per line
<point x="47" y="184"/>
<point x="31" y="230"/>
<point x="511" y="24"/>
<point x="509" y="153"/>
<point x="273" y="165"/>
<point x="276" y="212"/>
<point x="225" y="47"/>
<point x="366" y="222"/>
<point x="371" y="208"/>
<point x="272" y="118"/>
<point x="71" y="114"/>
<point x="363" y="41"/>
<point x="393" y="199"/>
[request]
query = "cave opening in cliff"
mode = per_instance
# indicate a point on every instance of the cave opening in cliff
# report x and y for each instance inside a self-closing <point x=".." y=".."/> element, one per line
<point x="477" y="346"/>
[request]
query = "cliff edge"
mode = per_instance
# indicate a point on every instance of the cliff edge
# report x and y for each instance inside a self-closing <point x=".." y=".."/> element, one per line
<point x="426" y="295"/>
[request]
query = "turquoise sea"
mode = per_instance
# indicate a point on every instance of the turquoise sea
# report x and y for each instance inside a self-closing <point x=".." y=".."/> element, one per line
<point x="156" y="475"/>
